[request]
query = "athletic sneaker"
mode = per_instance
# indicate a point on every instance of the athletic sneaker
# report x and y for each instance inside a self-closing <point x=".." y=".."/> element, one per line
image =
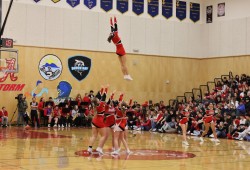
<point x="48" y="125"/>
<point x="62" y="126"/>
<point x="55" y="125"/>
<point x="69" y="125"/>
<point x="89" y="150"/>
<point x="201" y="138"/>
<point x="58" y="126"/>
<point x="185" y="143"/>
<point x="99" y="150"/>
<point x="127" y="77"/>
<point x="116" y="152"/>
<point x="217" y="140"/>
<point x="128" y="152"/>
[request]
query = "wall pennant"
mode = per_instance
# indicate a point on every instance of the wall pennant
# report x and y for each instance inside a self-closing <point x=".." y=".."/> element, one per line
<point x="107" y="5"/>
<point x="194" y="11"/>
<point x="138" y="6"/>
<point x="167" y="8"/>
<point x="90" y="3"/>
<point x="122" y="6"/>
<point x="73" y="3"/>
<point x="153" y="7"/>
<point x="181" y="10"/>
<point x="55" y="1"/>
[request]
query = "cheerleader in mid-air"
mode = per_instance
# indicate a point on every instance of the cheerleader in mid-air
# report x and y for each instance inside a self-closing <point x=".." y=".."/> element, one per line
<point x="120" y="51"/>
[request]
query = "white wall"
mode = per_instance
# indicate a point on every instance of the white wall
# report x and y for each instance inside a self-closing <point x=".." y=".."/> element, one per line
<point x="228" y="35"/>
<point x="59" y="25"/>
<point x="46" y="24"/>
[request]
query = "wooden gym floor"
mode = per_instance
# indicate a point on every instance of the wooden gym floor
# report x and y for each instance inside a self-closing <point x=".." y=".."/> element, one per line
<point x="49" y="149"/>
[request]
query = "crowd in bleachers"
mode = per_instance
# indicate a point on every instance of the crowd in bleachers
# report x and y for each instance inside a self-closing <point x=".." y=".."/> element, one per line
<point x="231" y="102"/>
<point x="230" y="99"/>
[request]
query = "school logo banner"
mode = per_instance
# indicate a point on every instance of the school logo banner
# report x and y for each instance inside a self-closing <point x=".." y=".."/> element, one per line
<point x="90" y="3"/>
<point x="153" y="7"/>
<point x="194" y="11"/>
<point x="55" y="1"/>
<point x="73" y="3"/>
<point x="50" y="67"/>
<point x="79" y="66"/>
<point x="167" y="8"/>
<point x="138" y="6"/>
<point x="122" y="5"/>
<point x="181" y="10"/>
<point x="209" y="14"/>
<point x="107" y="5"/>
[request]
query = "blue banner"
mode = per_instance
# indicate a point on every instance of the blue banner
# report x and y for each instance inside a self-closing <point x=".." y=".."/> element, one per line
<point x="153" y="7"/>
<point x="90" y="3"/>
<point x="167" y="8"/>
<point x="195" y="11"/>
<point x="36" y="1"/>
<point x="138" y="6"/>
<point x="181" y="10"/>
<point x="73" y="3"/>
<point x="122" y="5"/>
<point x="107" y="5"/>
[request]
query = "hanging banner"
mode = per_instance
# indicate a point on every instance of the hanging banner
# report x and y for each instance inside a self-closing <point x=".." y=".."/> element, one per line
<point x="138" y="6"/>
<point x="36" y="1"/>
<point x="107" y="5"/>
<point x="153" y="7"/>
<point x="167" y="8"/>
<point x="194" y="11"/>
<point x="209" y="14"/>
<point x="122" y="5"/>
<point x="90" y="3"/>
<point x="181" y="10"/>
<point x="221" y="10"/>
<point x="73" y="3"/>
<point x="55" y="1"/>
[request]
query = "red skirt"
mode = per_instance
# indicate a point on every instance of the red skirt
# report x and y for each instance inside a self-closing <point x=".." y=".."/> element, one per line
<point x="208" y="119"/>
<point x="110" y="121"/>
<point x="184" y="120"/>
<point x="98" y="121"/>
<point x="120" y="50"/>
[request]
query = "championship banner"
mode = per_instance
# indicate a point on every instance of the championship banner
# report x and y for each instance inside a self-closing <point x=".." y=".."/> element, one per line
<point x="36" y="1"/>
<point x="107" y="5"/>
<point x="181" y="10"/>
<point x="73" y="3"/>
<point x="55" y="1"/>
<point x="209" y="14"/>
<point x="167" y="8"/>
<point x="138" y="6"/>
<point x="153" y="7"/>
<point x="195" y="11"/>
<point x="90" y="3"/>
<point x="122" y="5"/>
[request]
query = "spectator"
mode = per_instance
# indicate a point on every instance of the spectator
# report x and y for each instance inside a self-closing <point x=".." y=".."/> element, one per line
<point x="4" y="117"/>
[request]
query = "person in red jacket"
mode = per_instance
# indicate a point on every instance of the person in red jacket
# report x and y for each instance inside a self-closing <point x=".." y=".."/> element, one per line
<point x="120" y="51"/>
<point x="4" y="116"/>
